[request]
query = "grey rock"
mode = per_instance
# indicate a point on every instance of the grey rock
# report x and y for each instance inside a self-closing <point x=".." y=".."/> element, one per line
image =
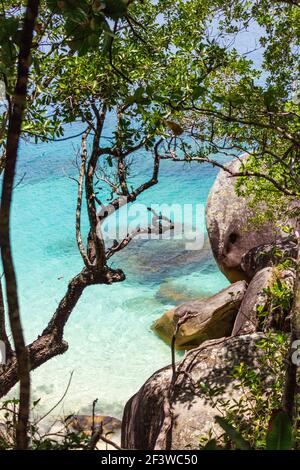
<point x="201" y="320"/>
<point x="146" y="414"/>
<point x="228" y="220"/>
<point x="256" y="312"/>
<point x="247" y="319"/>
<point x="262" y="256"/>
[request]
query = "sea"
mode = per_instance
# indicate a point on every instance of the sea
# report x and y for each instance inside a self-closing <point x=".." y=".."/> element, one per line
<point x="112" y="347"/>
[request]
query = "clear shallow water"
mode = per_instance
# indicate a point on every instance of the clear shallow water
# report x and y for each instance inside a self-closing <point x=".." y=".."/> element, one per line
<point x="112" y="347"/>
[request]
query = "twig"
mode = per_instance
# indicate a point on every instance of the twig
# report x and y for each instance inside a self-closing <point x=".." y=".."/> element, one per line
<point x="93" y="415"/>
<point x="59" y="401"/>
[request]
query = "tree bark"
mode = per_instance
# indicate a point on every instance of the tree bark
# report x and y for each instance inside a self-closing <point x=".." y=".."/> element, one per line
<point x="12" y="144"/>
<point x="3" y="334"/>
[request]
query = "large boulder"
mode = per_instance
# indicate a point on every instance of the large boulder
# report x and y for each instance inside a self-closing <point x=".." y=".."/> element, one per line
<point x="228" y="220"/>
<point x="201" y="320"/>
<point x="255" y="301"/>
<point x="260" y="310"/>
<point x="154" y="418"/>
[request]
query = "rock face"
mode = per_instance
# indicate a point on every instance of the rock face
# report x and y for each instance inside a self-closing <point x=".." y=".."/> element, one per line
<point x="262" y="256"/>
<point x="146" y="414"/>
<point x="257" y="311"/>
<point x="228" y="224"/>
<point x="173" y="293"/>
<point x="201" y="320"/>
<point x="247" y="319"/>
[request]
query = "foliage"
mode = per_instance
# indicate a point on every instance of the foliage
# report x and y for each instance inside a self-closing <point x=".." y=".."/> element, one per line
<point x="57" y="434"/>
<point x="279" y="300"/>
<point x="251" y="109"/>
<point x="253" y="419"/>
<point x="278" y="437"/>
<point x="158" y="72"/>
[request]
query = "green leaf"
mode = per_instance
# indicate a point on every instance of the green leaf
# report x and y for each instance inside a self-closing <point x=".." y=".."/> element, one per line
<point x="115" y="8"/>
<point x="234" y="435"/>
<point x="279" y="436"/>
<point x="198" y="91"/>
<point x="211" y="445"/>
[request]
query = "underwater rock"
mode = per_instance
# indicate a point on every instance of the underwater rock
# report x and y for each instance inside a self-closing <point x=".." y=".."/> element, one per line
<point x="147" y="413"/>
<point x="203" y="319"/>
<point x="156" y="260"/>
<point x="111" y="428"/>
<point x="228" y="220"/>
<point x="84" y="423"/>
<point x="172" y="293"/>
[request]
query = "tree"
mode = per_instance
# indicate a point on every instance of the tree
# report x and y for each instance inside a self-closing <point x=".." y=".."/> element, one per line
<point x="13" y="136"/>
<point x="255" y="113"/>
<point x="177" y="90"/>
<point x="85" y="67"/>
<point x="21" y="361"/>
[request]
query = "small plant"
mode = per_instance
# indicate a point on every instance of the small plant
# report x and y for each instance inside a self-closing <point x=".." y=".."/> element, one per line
<point x="59" y="437"/>
<point x="254" y="420"/>
<point x="279" y="301"/>
<point x="278" y="437"/>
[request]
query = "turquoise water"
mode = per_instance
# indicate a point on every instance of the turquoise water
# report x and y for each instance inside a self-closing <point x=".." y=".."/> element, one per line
<point x="112" y="349"/>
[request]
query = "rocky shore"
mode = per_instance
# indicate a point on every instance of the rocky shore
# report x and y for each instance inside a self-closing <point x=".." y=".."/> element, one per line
<point x="218" y="333"/>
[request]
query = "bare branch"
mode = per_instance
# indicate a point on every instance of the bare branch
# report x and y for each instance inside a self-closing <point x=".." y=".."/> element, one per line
<point x="233" y="174"/>
<point x="79" y="200"/>
<point x="123" y="200"/>
<point x="156" y="228"/>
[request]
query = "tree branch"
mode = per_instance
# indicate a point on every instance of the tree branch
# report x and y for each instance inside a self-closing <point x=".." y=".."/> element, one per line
<point x="50" y="343"/>
<point x="95" y="238"/>
<point x="79" y="201"/>
<point x="156" y="228"/>
<point x="233" y="174"/>
<point x="119" y="202"/>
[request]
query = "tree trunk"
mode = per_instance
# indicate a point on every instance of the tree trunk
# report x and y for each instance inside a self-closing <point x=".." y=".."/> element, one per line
<point x="290" y="386"/>
<point x="12" y="144"/>
<point x="3" y="334"/>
